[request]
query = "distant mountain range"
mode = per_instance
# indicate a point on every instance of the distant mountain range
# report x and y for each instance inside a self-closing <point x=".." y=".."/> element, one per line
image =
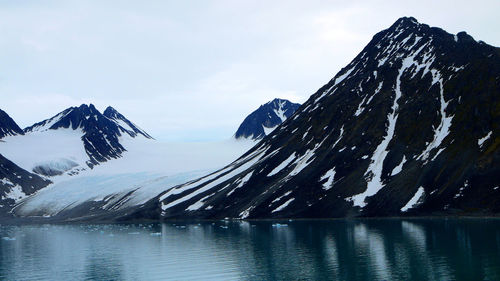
<point x="265" y="119"/>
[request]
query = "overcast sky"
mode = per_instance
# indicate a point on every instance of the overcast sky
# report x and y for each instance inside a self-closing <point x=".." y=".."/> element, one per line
<point x="192" y="70"/>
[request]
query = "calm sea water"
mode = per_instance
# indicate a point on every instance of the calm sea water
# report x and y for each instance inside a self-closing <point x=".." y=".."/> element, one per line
<point x="385" y="249"/>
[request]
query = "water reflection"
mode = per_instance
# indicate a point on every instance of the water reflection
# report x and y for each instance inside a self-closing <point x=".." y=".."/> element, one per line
<point x="385" y="249"/>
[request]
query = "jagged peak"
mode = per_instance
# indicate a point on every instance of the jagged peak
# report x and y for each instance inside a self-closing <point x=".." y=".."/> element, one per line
<point x="124" y="124"/>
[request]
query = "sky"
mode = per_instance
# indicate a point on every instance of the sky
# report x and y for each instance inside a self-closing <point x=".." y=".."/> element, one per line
<point x="193" y="70"/>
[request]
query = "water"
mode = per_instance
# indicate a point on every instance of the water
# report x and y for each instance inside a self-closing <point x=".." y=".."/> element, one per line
<point x="385" y="249"/>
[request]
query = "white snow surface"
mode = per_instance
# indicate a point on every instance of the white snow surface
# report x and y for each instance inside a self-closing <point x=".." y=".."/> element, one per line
<point x="414" y="200"/>
<point x="284" y="205"/>
<point x="268" y="130"/>
<point x="330" y="175"/>
<point x="279" y="198"/>
<point x="481" y="141"/>
<point x="147" y="168"/>
<point x="399" y="167"/>
<point x="280" y="112"/>
<point x="55" y="148"/>
<point x="16" y="193"/>
<point x="283" y="165"/>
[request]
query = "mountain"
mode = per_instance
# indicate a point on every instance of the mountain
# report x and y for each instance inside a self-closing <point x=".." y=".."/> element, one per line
<point x="409" y="127"/>
<point x="265" y="119"/>
<point x="71" y="141"/>
<point x="16" y="183"/>
<point x="8" y="126"/>
<point x="100" y="134"/>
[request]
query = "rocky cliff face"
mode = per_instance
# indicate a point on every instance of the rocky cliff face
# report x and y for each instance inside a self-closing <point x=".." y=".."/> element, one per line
<point x="410" y="126"/>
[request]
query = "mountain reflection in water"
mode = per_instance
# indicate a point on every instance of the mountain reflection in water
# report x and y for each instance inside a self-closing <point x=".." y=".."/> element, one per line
<point x="374" y="249"/>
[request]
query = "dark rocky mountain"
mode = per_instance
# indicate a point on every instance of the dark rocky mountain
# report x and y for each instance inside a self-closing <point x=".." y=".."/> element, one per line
<point x="16" y="183"/>
<point x="8" y="126"/>
<point x="409" y="127"/>
<point x="265" y="119"/>
<point x="124" y="124"/>
<point x="100" y="133"/>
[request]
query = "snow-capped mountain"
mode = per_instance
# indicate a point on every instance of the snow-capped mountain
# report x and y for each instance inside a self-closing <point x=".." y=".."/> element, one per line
<point x="75" y="139"/>
<point x="410" y="126"/>
<point x="8" y="126"/>
<point x="265" y="119"/>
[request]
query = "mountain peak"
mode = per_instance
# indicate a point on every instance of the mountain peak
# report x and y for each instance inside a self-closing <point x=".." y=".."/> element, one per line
<point x="406" y="22"/>
<point x="110" y="111"/>
<point x="125" y="125"/>
<point x="266" y="118"/>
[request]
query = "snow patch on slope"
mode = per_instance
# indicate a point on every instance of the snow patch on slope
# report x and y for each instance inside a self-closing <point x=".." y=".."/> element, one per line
<point x="414" y="201"/>
<point x="282" y="206"/>
<point x="399" y="167"/>
<point x="283" y="165"/>
<point x="481" y="141"/>
<point x="330" y="176"/>
<point x="15" y="193"/>
<point x="442" y="131"/>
